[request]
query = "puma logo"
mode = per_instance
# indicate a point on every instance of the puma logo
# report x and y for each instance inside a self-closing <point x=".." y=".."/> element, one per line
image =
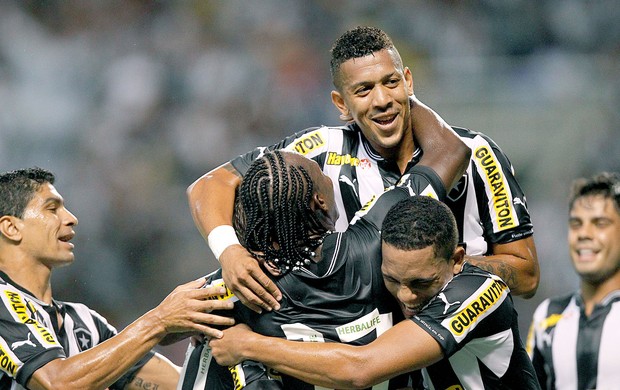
<point x="518" y="201"/>
<point x="18" y="344"/>
<point x="442" y="296"/>
<point x="348" y="181"/>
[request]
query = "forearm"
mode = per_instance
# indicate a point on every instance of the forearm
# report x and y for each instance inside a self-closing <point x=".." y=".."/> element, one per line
<point x="211" y="198"/>
<point x="403" y="348"/>
<point x="442" y="148"/>
<point x="516" y="263"/>
<point x="101" y="366"/>
<point x="158" y="373"/>
<point x="334" y="366"/>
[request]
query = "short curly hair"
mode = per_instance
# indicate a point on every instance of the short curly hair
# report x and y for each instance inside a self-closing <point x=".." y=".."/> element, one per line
<point x="418" y="222"/>
<point x="355" y="43"/>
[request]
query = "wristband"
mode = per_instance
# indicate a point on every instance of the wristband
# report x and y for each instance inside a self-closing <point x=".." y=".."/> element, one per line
<point x="221" y="238"/>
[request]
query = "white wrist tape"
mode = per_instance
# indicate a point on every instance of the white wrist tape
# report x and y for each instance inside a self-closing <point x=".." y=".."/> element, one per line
<point x="221" y="238"/>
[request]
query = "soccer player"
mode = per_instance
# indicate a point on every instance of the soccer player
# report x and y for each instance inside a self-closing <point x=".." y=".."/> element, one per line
<point x="332" y="285"/>
<point x="461" y="326"/>
<point x="573" y="339"/>
<point x="49" y="344"/>
<point x="374" y="93"/>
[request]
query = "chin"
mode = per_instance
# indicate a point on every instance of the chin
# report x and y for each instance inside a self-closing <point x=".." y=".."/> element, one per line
<point x="65" y="262"/>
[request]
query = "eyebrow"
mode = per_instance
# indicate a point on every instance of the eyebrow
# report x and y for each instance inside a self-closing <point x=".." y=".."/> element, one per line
<point x="53" y="199"/>
<point x="368" y="82"/>
<point x="413" y="280"/>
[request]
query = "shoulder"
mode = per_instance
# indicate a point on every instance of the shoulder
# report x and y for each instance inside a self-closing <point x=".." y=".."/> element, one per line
<point x="468" y="136"/>
<point x="474" y="284"/>
<point x="308" y="140"/>
<point x="554" y="306"/>
<point x="84" y="312"/>
<point x="478" y="142"/>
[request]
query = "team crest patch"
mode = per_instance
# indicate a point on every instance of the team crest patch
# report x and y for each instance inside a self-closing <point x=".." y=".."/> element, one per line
<point x="365" y="164"/>
<point x="459" y="189"/>
<point x="84" y="339"/>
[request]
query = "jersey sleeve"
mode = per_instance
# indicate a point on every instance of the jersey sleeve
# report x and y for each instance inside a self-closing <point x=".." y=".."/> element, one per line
<point x="26" y="344"/>
<point x="467" y="308"/>
<point x="502" y="202"/>
<point x="311" y="142"/>
<point x="106" y="331"/>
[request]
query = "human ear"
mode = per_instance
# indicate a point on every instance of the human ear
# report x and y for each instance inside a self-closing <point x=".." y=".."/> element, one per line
<point x="409" y="81"/>
<point x="341" y="106"/>
<point x="10" y="227"/>
<point x="318" y="203"/>
<point x="458" y="257"/>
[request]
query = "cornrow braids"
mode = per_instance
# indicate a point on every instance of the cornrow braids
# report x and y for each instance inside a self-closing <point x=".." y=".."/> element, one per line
<point x="273" y="218"/>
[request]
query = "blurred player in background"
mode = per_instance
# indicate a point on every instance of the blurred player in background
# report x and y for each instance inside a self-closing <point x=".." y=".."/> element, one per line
<point x="574" y="341"/>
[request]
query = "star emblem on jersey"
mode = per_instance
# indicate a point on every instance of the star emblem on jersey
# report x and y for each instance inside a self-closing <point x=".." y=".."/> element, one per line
<point x="84" y="339"/>
<point x="459" y="189"/>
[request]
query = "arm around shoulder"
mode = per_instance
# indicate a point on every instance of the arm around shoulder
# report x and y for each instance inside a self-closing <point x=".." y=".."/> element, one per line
<point x="443" y="149"/>
<point x="403" y="348"/>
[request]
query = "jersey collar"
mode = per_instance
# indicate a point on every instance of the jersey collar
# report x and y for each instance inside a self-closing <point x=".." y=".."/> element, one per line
<point x="372" y="153"/>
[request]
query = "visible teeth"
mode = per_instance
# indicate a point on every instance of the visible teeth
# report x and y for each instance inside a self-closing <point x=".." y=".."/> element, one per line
<point x="585" y="251"/>
<point x="384" y="121"/>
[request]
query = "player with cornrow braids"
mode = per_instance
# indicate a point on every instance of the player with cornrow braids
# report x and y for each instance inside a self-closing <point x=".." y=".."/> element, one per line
<point x="331" y="281"/>
<point x="277" y="210"/>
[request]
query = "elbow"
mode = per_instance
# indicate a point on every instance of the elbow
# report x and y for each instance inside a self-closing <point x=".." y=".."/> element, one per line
<point x="460" y="158"/>
<point x="528" y="282"/>
<point x="350" y="376"/>
<point x="362" y="381"/>
<point x="192" y="189"/>
<point x="464" y="153"/>
<point x="353" y="373"/>
<point x="529" y="286"/>
<point x="531" y="278"/>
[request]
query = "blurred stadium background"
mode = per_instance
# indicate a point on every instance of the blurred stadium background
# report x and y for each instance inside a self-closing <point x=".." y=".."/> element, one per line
<point x="130" y="101"/>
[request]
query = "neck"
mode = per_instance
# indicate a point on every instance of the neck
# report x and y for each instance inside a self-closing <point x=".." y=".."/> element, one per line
<point x="402" y="153"/>
<point x="31" y="275"/>
<point x="594" y="293"/>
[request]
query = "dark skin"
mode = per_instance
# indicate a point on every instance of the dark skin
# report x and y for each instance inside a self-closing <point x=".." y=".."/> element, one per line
<point x="372" y="90"/>
<point x="212" y="196"/>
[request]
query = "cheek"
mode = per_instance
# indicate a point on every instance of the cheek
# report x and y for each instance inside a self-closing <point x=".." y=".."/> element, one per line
<point x="391" y="287"/>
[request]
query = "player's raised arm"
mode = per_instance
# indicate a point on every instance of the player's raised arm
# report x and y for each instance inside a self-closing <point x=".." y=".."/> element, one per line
<point x="443" y="149"/>
<point x="211" y="201"/>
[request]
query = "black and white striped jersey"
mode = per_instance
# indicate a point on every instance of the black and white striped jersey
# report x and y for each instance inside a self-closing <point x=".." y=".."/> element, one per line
<point x="341" y="298"/>
<point x="488" y="203"/>
<point x="474" y="321"/>
<point x="30" y="336"/>
<point x="573" y="351"/>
